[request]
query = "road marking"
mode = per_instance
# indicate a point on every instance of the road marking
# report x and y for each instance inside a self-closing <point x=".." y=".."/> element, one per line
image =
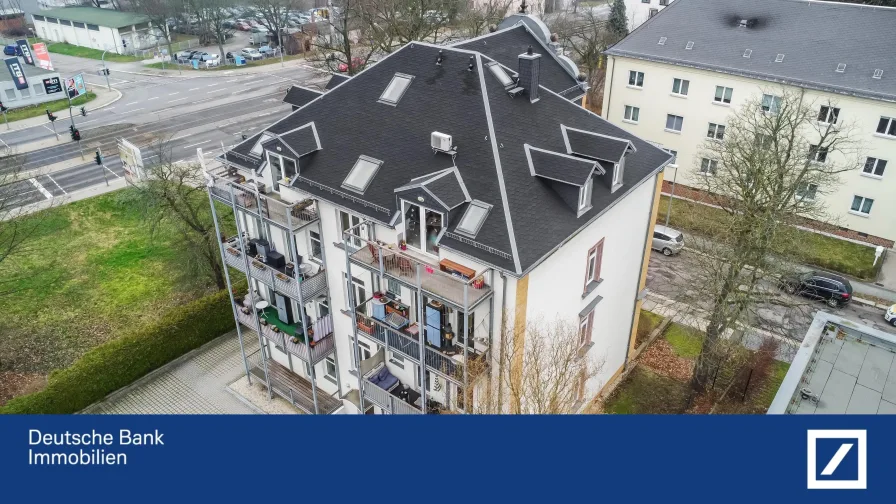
<point x="194" y="145"/>
<point x="213" y="84"/>
<point x="180" y="161"/>
<point x="136" y="109"/>
<point x="57" y="184"/>
<point x="172" y="94"/>
<point x="153" y="98"/>
<point x="112" y="172"/>
<point x="232" y="80"/>
<point x="179" y="99"/>
<point x="109" y="108"/>
<point x="216" y="90"/>
<point x="49" y="128"/>
<point x="194" y="89"/>
<point x="90" y="121"/>
<point x="129" y="104"/>
<point x="40" y="188"/>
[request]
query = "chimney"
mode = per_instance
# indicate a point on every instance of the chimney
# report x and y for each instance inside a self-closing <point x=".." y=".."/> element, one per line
<point x="529" y="70"/>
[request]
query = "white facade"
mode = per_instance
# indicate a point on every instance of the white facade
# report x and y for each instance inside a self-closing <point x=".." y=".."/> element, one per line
<point x="655" y="100"/>
<point x="638" y="11"/>
<point x="104" y="38"/>
<point x="13" y="97"/>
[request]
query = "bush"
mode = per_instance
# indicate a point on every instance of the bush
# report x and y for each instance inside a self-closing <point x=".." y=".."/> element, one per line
<point x="120" y="362"/>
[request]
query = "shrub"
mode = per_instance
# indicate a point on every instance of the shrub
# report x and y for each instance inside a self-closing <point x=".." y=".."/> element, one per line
<point x="120" y="362"/>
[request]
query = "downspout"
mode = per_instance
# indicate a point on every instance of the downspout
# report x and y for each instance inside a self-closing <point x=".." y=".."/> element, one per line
<point x="647" y="236"/>
<point x="610" y="93"/>
<point x="502" y="334"/>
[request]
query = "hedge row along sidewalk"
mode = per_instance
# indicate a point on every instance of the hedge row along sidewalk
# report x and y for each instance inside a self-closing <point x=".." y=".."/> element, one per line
<point x="120" y="362"/>
<point x="40" y="109"/>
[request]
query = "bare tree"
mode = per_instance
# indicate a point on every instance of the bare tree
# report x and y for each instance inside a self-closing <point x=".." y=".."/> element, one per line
<point x="211" y="15"/>
<point x="274" y="14"/>
<point x="343" y="41"/>
<point x="587" y="36"/>
<point x="474" y="18"/>
<point x="538" y="369"/>
<point x="174" y="194"/>
<point x="159" y="12"/>
<point x="766" y="169"/>
<point x="391" y="24"/>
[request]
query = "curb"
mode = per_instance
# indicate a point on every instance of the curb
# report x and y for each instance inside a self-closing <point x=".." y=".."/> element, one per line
<point x="242" y="399"/>
<point x="48" y="122"/>
<point x="870" y="303"/>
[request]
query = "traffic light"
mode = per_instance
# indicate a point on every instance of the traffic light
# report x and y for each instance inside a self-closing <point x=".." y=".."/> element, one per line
<point x="84" y="111"/>
<point x="50" y="116"/>
<point x="76" y="135"/>
<point x="124" y="43"/>
<point x="71" y="129"/>
<point x="105" y="71"/>
<point x="3" y="107"/>
<point x="99" y="158"/>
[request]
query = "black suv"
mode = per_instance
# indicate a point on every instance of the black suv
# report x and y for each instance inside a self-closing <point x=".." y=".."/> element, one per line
<point x="834" y="290"/>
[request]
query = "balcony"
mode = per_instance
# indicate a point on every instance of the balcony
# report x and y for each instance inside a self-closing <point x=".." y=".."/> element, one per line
<point x="290" y="337"/>
<point x="292" y="387"/>
<point x="311" y="287"/>
<point x="232" y="189"/>
<point x="388" y="402"/>
<point x="402" y="266"/>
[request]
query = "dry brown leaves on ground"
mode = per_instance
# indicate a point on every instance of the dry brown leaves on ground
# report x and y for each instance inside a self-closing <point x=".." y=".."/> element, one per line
<point x="14" y="384"/>
<point x="660" y="358"/>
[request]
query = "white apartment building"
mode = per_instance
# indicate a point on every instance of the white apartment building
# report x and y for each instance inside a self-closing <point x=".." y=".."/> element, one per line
<point x="638" y="11"/>
<point x="468" y="194"/>
<point x="677" y="78"/>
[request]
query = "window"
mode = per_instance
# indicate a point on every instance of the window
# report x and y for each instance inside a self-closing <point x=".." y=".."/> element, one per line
<point x="828" y="115"/>
<point x="585" y="326"/>
<point x="645" y="1"/>
<point x="323" y="308"/>
<point x="393" y="287"/>
<point x="779" y="58"/>
<point x="499" y="73"/>
<point x="362" y="173"/>
<point x="841" y="67"/>
<point x="348" y="221"/>
<point x="674" y="122"/>
<point x="878" y="73"/>
<point x="360" y="293"/>
<point x="39" y="88"/>
<point x="11" y="95"/>
<point x="861" y="205"/>
<point x="473" y="218"/>
<point x="723" y="94"/>
<point x="771" y="104"/>
<point x="689" y="45"/>
<point x="77" y="24"/>
<point x="397" y="360"/>
<point x="662" y="41"/>
<point x="26" y="93"/>
<point x="818" y="154"/>
<point x="709" y="166"/>
<point x="887" y="126"/>
<point x="680" y="87"/>
<point x="396" y="88"/>
<point x="363" y="349"/>
<point x="422" y="227"/>
<point x="652" y="12"/>
<point x="275" y="162"/>
<point x="330" y="368"/>
<point x="806" y="191"/>
<point x="52" y="20"/>
<point x="636" y="79"/>
<point x="875" y="167"/>
<point x="315" y="246"/>
<point x="38" y="18"/>
<point x="664" y="3"/>
<point x="592" y="267"/>
<point x="632" y="113"/>
<point x="93" y="27"/>
<point x="716" y="131"/>
<point x="289" y="167"/>
<point x="674" y="162"/>
<point x="65" y="22"/>
<point x="585" y="191"/>
<point x="748" y="53"/>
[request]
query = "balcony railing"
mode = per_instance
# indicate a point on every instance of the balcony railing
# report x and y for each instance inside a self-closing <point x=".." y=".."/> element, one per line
<point x="291" y="387"/>
<point x="403" y="266"/>
<point x="388" y="402"/>
<point x="312" y="286"/>
<point x="292" y="216"/>
<point x="322" y="347"/>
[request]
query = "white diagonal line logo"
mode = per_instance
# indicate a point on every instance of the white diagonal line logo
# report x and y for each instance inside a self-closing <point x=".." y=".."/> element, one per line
<point x="836" y="459"/>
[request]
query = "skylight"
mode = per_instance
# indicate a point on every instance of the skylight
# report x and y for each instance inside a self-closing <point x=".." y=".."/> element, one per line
<point x="878" y="73"/>
<point x="500" y="74"/>
<point x="362" y="173"/>
<point x="779" y="58"/>
<point x="256" y="150"/>
<point x="473" y="218"/>
<point x="662" y="41"/>
<point x="690" y="45"/>
<point x="841" y="67"/>
<point x="747" y="53"/>
<point x="396" y="88"/>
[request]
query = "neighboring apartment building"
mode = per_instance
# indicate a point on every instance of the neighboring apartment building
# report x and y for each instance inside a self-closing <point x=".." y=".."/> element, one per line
<point x="103" y="29"/>
<point x="677" y="78"/>
<point x="638" y="11"/>
<point x="469" y="193"/>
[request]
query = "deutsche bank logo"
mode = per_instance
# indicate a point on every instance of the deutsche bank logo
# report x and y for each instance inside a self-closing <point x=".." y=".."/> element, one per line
<point x="837" y="459"/>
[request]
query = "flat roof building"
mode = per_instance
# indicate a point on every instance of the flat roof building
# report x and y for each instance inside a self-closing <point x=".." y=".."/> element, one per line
<point x="103" y="29"/>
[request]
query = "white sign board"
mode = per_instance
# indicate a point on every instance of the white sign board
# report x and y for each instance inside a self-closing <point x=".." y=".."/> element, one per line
<point x="131" y="161"/>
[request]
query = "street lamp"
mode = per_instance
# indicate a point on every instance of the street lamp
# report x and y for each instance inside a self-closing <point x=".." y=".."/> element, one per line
<point x="106" y="70"/>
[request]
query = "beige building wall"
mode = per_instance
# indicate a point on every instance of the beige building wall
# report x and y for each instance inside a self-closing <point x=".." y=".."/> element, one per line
<point x="655" y="100"/>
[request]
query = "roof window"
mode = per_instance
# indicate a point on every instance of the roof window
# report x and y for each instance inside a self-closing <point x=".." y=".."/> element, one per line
<point x="878" y="73"/>
<point x="690" y="45"/>
<point x="473" y="218"/>
<point x="779" y="58"/>
<point x="841" y="67"/>
<point x="662" y="41"/>
<point x="396" y="88"/>
<point x="500" y="74"/>
<point x="747" y="53"/>
<point x="362" y="173"/>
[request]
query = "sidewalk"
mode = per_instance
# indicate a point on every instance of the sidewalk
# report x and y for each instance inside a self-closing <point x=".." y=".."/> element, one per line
<point x="140" y="68"/>
<point x="104" y="98"/>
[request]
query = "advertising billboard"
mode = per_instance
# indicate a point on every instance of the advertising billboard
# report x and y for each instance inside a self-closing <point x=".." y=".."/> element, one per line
<point x="75" y="86"/>
<point x="18" y="74"/>
<point x="26" y="51"/>
<point x="131" y="161"/>
<point x="53" y="85"/>
<point x="42" y="56"/>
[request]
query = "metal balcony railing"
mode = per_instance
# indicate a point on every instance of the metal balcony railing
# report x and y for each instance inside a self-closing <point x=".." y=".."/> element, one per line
<point x="291" y="387"/>
<point x="311" y="286"/>
<point x="247" y="196"/>
<point x="386" y="401"/>
<point x="322" y="347"/>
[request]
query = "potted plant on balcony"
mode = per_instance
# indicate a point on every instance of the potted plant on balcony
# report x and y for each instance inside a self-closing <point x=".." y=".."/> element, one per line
<point x="403" y="245"/>
<point x="379" y="297"/>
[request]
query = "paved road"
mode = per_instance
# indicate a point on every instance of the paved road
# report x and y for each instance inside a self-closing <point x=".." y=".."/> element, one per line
<point x="673" y="277"/>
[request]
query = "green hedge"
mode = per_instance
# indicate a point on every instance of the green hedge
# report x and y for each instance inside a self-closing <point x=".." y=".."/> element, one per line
<point x="120" y="362"/>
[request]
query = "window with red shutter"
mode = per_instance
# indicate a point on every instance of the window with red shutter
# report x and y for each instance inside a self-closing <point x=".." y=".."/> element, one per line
<point x="592" y="264"/>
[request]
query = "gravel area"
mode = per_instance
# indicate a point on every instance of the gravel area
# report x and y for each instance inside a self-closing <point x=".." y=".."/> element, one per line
<point x="257" y="395"/>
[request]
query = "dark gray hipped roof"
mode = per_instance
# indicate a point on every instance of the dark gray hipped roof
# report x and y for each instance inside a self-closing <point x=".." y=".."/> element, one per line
<point x="560" y="167"/>
<point x="336" y="80"/>
<point x="445" y="187"/>
<point x="529" y="219"/>
<point x="302" y="140"/>
<point x="595" y="146"/>
<point x="299" y="96"/>
<point x="814" y="38"/>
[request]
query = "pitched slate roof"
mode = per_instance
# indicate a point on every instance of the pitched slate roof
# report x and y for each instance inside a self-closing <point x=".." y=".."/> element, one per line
<point x="298" y="96"/>
<point x="336" y="80"/>
<point x="529" y="219"/>
<point x="505" y="46"/>
<point x="813" y="37"/>
<point x="561" y="167"/>
<point x="445" y="187"/>
<point x="94" y="15"/>
<point x="594" y="145"/>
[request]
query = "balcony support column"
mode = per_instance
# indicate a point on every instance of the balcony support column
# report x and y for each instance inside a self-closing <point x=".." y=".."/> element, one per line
<point x="338" y="369"/>
<point x="421" y="336"/>
<point x="350" y="292"/>
<point x="466" y="344"/>
<point x="239" y="331"/>
<point x="304" y="318"/>
<point x="251" y="285"/>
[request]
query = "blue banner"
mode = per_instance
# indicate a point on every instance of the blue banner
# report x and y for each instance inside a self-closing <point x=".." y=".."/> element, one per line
<point x="18" y="74"/>
<point x="26" y="51"/>
<point x="453" y="458"/>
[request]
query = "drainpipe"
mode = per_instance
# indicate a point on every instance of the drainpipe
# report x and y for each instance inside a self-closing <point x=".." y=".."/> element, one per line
<point x="502" y="333"/>
<point x="610" y="94"/>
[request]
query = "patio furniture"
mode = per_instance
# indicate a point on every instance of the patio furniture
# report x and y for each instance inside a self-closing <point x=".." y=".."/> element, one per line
<point x="261" y="305"/>
<point x="459" y="270"/>
<point x="374" y="253"/>
<point x="405" y="266"/>
<point x="382" y="378"/>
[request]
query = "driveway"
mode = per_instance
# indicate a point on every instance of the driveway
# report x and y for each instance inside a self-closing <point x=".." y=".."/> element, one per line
<point x="194" y="384"/>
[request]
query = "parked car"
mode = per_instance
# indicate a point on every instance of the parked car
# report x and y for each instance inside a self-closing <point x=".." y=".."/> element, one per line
<point x="356" y="64"/>
<point x="834" y="290"/>
<point x="267" y="50"/>
<point x="210" y="60"/>
<point x="243" y="26"/>
<point x="12" y="50"/>
<point x="667" y="240"/>
<point x="250" y="53"/>
<point x="890" y="315"/>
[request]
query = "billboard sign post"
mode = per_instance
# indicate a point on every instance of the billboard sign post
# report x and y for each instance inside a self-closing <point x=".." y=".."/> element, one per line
<point x="18" y="74"/>
<point x="131" y="161"/>
<point x="26" y="51"/>
<point x="52" y="85"/>
<point x="42" y="56"/>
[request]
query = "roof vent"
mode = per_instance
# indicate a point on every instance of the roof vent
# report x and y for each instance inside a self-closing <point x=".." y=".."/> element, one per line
<point x="689" y="46"/>
<point x="878" y="73"/>
<point x="743" y="23"/>
<point x="439" y="59"/>
<point x="441" y="142"/>
<point x="472" y="64"/>
<point x="747" y="53"/>
<point x="779" y="58"/>
<point x="662" y="41"/>
<point x="841" y="67"/>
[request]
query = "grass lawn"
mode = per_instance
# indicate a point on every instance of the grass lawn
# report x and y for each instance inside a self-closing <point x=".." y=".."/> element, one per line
<point x="41" y="108"/>
<point x="86" y="52"/>
<point x="91" y="273"/>
<point x="647" y="322"/>
<point x="646" y="392"/>
<point x="686" y="342"/>
<point x="816" y="250"/>
<point x="268" y="61"/>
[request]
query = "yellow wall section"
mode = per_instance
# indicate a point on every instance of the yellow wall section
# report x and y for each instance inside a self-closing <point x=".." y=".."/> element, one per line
<point x="643" y="284"/>
<point x="519" y="339"/>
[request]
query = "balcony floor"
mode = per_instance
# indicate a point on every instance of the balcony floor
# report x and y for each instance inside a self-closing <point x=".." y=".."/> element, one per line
<point x="282" y="379"/>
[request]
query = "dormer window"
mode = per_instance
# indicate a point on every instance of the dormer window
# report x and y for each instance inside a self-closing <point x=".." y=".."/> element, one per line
<point x="585" y="196"/>
<point x="396" y="89"/>
<point x="422" y="227"/>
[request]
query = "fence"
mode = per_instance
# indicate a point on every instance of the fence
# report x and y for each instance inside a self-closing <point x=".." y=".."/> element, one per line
<point x="175" y="47"/>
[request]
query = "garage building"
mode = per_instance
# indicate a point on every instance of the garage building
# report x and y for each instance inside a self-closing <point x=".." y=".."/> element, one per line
<point x="102" y="29"/>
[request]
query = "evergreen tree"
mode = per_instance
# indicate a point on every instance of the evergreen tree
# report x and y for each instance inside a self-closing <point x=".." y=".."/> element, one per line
<point x="618" y="21"/>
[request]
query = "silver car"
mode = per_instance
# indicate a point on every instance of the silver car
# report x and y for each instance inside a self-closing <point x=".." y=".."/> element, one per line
<point x="667" y="240"/>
